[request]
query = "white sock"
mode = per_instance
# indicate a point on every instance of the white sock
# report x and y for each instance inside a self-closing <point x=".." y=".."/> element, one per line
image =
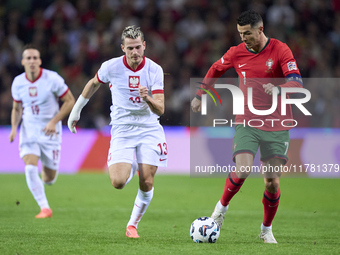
<point x="142" y="202"/>
<point x="263" y="227"/>
<point x="36" y="185"/>
<point x="134" y="169"/>
<point x="221" y="208"/>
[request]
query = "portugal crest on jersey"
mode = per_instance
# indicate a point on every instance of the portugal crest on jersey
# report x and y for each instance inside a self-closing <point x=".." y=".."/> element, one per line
<point x="134" y="82"/>
<point x="269" y="64"/>
<point x="33" y="92"/>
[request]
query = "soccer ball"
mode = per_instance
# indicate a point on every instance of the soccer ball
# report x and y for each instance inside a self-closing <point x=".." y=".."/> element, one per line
<point x="204" y="230"/>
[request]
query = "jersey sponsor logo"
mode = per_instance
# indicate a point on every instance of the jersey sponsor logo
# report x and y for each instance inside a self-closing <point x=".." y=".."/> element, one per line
<point x="33" y="91"/>
<point x="239" y="66"/>
<point x="269" y="64"/>
<point x="134" y="82"/>
<point x="291" y="66"/>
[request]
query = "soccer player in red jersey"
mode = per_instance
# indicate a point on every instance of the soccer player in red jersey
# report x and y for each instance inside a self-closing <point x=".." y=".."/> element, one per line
<point x="257" y="60"/>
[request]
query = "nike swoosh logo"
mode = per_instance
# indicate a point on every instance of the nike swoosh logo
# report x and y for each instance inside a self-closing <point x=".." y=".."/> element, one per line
<point x="162" y="159"/>
<point x="231" y="190"/>
<point x="272" y="205"/>
<point x="239" y="66"/>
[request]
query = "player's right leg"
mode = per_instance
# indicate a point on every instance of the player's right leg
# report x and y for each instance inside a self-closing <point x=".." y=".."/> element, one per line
<point x="121" y="157"/>
<point x="33" y="180"/>
<point x="232" y="185"/>
<point x="245" y="146"/>
<point x="121" y="173"/>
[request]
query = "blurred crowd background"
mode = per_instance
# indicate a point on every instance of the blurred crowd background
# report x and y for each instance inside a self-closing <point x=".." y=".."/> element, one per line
<point x="184" y="36"/>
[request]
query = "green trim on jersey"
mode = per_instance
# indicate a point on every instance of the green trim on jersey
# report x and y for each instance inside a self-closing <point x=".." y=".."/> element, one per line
<point x="254" y="52"/>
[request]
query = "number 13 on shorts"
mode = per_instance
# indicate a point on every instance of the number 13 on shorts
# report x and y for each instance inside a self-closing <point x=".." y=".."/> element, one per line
<point x="163" y="149"/>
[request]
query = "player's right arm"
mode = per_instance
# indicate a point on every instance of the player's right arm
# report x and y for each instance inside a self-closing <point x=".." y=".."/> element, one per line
<point x="215" y="72"/>
<point x="15" y="119"/>
<point x="90" y="88"/>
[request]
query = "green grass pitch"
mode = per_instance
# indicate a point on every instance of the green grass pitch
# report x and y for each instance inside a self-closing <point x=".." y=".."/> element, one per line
<point x="90" y="216"/>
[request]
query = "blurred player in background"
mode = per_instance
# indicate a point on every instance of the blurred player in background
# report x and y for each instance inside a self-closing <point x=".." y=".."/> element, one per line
<point x="256" y="57"/>
<point x="35" y="99"/>
<point x="136" y="85"/>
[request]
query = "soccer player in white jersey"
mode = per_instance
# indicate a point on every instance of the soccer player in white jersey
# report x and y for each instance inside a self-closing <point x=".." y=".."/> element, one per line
<point x="35" y="99"/>
<point x="136" y="85"/>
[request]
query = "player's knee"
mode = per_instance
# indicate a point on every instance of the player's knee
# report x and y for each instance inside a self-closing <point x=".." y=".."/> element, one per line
<point x="272" y="186"/>
<point x="146" y="184"/>
<point x="118" y="184"/>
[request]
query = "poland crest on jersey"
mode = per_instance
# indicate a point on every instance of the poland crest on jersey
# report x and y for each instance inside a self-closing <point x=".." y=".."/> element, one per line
<point x="134" y="82"/>
<point x="33" y="91"/>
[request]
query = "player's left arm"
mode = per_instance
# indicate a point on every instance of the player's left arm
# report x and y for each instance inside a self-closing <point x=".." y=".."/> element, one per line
<point x="289" y="69"/>
<point x="156" y="102"/>
<point x="68" y="102"/>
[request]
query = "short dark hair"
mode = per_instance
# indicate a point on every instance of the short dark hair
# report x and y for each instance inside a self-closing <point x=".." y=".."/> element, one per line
<point x="30" y="47"/>
<point x="249" y="17"/>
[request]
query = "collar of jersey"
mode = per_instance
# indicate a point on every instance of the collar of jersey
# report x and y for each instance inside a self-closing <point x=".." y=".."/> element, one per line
<point x="254" y="52"/>
<point x="40" y="73"/>
<point x="139" y="67"/>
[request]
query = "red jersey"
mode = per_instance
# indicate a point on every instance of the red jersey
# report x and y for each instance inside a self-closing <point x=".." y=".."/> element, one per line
<point x="274" y="61"/>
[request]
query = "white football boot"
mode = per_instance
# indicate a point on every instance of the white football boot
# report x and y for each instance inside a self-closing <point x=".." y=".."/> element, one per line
<point x="219" y="212"/>
<point x="267" y="234"/>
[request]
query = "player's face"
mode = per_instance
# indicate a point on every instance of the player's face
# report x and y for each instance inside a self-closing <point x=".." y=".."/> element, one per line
<point x="134" y="50"/>
<point x="31" y="60"/>
<point x="250" y="36"/>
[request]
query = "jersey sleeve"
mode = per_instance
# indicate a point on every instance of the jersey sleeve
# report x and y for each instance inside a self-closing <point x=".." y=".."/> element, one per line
<point x="15" y="92"/>
<point x="217" y="70"/>
<point x="59" y="86"/>
<point x="158" y="85"/>
<point x="103" y="74"/>
<point x="289" y="68"/>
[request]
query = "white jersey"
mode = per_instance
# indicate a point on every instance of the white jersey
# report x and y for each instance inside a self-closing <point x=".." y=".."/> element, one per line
<point x="127" y="106"/>
<point x="40" y="104"/>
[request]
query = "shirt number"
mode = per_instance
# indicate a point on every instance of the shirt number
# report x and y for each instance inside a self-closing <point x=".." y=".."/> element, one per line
<point x="35" y="109"/>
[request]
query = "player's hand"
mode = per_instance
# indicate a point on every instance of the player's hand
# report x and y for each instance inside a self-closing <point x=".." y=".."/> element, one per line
<point x="50" y="129"/>
<point x="72" y="120"/>
<point x="12" y="135"/>
<point x="75" y="113"/>
<point x="196" y="105"/>
<point x="268" y="88"/>
<point x="143" y="92"/>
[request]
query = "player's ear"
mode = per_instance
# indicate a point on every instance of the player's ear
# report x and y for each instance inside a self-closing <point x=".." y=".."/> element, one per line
<point x="122" y="47"/>
<point x="144" y="45"/>
<point x="261" y="29"/>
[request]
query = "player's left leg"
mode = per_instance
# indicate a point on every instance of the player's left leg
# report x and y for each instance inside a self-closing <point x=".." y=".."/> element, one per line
<point x="271" y="197"/>
<point x="49" y="176"/>
<point x="143" y="198"/>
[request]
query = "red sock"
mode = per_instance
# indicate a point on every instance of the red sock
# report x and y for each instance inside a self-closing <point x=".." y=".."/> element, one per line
<point x="270" y="203"/>
<point x="231" y="187"/>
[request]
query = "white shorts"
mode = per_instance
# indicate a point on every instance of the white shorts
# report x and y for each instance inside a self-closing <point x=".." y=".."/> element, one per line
<point x="147" y="143"/>
<point x="49" y="154"/>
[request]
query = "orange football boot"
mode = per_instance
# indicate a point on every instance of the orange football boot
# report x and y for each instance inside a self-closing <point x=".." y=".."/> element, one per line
<point x="44" y="213"/>
<point x="131" y="232"/>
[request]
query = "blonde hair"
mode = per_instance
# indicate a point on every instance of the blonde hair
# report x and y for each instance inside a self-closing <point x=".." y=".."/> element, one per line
<point x="132" y="32"/>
